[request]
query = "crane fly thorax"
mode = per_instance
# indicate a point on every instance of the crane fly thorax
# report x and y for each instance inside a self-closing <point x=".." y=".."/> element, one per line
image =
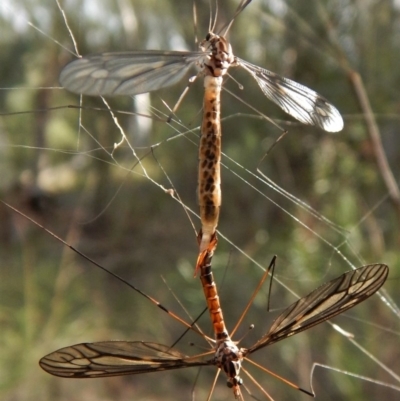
<point x="229" y="357"/>
<point x="219" y="57"/>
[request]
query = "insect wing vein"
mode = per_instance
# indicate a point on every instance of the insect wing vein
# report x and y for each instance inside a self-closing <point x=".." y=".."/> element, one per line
<point x="115" y="358"/>
<point x="127" y="73"/>
<point x="300" y="102"/>
<point x="325" y="302"/>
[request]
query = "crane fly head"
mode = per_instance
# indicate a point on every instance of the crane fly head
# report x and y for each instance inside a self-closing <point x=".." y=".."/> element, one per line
<point x="219" y="55"/>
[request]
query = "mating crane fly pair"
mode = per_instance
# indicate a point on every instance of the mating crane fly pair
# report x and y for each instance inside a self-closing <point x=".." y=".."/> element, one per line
<point x="132" y="73"/>
<point x="137" y="72"/>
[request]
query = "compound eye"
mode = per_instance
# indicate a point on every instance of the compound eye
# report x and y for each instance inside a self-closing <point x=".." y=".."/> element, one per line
<point x="208" y="37"/>
<point x="229" y="384"/>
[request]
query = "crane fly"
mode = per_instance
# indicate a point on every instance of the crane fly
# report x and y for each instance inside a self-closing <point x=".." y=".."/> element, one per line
<point x="132" y="73"/>
<point x="116" y="358"/>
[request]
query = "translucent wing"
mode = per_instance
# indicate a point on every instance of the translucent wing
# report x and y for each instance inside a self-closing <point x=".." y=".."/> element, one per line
<point x="126" y="73"/>
<point x="115" y="358"/>
<point x="297" y="100"/>
<point x="325" y="302"/>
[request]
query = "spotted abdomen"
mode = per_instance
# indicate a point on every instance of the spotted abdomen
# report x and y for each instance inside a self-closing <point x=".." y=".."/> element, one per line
<point x="209" y="190"/>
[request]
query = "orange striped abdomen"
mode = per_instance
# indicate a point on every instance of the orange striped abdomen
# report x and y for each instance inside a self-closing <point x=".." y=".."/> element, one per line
<point x="211" y="294"/>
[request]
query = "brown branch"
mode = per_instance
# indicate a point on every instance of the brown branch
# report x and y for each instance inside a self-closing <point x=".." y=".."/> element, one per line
<point x="369" y="118"/>
<point x="375" y="136"/>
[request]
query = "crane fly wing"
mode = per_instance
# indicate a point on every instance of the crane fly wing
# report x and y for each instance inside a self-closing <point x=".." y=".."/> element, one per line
<point x="132" y="73"/>
<point x="300" y="102"/>
<point x="325" y="302"/>
<point x="126" y="73"/>
<point x="115" y="358"/>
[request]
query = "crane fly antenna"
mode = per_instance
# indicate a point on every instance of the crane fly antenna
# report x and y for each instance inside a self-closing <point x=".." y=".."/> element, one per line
<point x="242" y="5"/>
<point x="195" y="24"/>
<point x="213" y="18"/>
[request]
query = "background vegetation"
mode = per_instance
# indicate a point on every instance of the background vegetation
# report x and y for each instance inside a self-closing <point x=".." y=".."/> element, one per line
<point x="62" y="174"/>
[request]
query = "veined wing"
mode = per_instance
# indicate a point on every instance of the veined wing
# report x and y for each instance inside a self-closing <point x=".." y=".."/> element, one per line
<point x="115" y="358"/>
<point x="325" y="302"/>
<point x="126" y="73"/>
<point x="300" y="102"/>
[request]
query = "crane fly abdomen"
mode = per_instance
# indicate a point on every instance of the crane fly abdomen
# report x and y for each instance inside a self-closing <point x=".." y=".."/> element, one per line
<point x="209" y="181"/>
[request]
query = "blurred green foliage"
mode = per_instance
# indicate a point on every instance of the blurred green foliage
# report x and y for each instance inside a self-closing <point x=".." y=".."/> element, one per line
<point x="65" y="176"/>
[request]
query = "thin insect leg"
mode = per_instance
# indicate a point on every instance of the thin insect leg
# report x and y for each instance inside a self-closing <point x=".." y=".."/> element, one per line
<point x="153" y="117"/>
<point x="289" y="383"/>
<point x="194" y="321"/>
<point x="263" y="278"/>
<point x="270" y="285"/>
<point x="272" y="147"/>
<point x="250" y="393"/>
<point x="265" y="117"/>
<point x="257" y="384"/>
<point x="151" y="299"/>
<point x="67" y="25"/>
<point x="210" y="342"/>
<point x="181" y="97"/>
<point x="175" y="193"/>
<point x="117" y="191"/>
<point x="213" y="384"/>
